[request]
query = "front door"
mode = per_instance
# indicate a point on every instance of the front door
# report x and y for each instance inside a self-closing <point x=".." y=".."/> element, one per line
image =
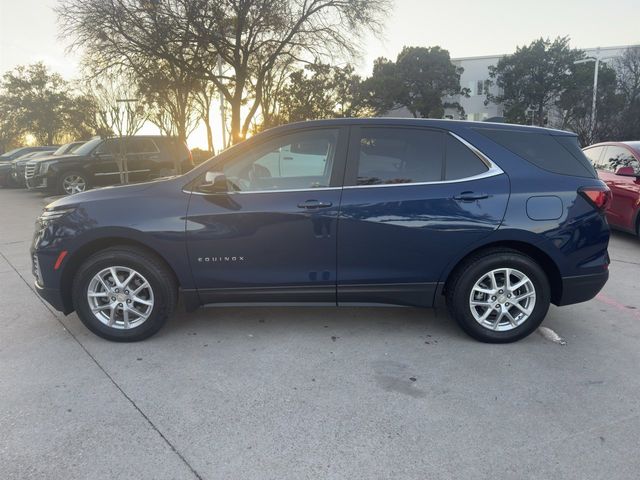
<point x="413" y="199"/>
<point x="272" y="236"/>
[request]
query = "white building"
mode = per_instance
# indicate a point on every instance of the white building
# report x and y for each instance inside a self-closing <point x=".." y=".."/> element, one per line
<point x="476" y="73"/>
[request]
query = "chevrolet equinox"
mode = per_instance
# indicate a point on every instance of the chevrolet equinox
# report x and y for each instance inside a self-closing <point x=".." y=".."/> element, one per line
<point x="495" y="221"/>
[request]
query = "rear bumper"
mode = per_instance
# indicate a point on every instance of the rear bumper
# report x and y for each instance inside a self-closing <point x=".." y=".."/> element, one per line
<point x="582" y="288"/>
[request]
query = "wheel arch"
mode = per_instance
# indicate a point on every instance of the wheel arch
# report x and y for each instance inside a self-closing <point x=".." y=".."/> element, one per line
<point x="75" y="260"/>
<point x="547" y="264"/>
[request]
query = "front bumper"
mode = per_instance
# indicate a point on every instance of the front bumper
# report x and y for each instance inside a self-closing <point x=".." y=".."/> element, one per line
<point x="37" y="182"/>
<point x="582" y="288"/>
<point x="52" y="296"/>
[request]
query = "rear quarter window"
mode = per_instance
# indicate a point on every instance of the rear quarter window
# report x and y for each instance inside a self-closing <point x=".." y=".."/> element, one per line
<point x="557" y="154"/>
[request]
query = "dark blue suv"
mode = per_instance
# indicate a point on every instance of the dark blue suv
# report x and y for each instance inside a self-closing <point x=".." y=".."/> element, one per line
<point x="498" y="221"/>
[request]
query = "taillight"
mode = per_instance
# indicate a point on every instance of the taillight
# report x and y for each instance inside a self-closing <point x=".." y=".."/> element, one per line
<point x="598" y="196"/>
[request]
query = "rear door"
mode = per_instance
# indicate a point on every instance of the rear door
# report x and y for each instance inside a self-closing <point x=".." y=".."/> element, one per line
<point x="414" y="198"/>
<point x="142" y="155"/>
<point x="104" y="164"/>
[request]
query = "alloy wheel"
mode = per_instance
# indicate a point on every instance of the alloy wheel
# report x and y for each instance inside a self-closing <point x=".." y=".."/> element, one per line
<point x="74" y="184"/>
<point x="502" y="299"/>
<point x="120" y="297"/>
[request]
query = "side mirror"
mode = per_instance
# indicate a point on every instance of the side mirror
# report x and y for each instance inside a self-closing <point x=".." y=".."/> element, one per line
<point x="214" y="182"/>
<point x="626" y="172"/>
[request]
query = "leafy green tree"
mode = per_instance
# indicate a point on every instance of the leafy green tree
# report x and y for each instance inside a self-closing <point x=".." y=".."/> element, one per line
<point x="418" y="80"/>
<point x="533" y="78"/>
<point x="11" y="130"/>
<point x="576" y="102"/>
<point x="39" y="99"/>
<point x="43" y="104"/>
<point x="318" y="91"/>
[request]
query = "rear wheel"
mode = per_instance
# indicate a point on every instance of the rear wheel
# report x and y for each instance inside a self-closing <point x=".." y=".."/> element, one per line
<point x="499" y="296"/>
<point x="124" y="295"/>
<point x="72" y="182"/>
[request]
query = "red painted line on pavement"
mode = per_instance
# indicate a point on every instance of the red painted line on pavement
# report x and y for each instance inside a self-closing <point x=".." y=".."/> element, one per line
<point x="617" y="305"/>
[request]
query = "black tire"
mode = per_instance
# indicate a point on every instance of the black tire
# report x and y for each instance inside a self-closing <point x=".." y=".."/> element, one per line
<point x="460" y="285"/>
<point x="155" y="271"/>
<point x="64" y="175"/>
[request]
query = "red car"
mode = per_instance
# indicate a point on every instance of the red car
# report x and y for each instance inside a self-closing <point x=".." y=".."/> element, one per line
<point x="618" y="165"/>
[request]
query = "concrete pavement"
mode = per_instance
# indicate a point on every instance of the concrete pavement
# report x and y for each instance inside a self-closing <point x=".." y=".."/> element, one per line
<point x="275" y="393"/>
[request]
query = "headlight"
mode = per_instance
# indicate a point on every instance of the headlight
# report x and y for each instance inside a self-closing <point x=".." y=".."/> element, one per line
<point x="44" y="166"/>
<point x="51" y="215"/>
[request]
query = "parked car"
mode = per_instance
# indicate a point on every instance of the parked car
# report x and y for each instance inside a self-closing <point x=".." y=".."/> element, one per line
<point x="96" y="163"/>
<point x="496" y="221"/>
<point x="618" y="164"/>
<point x="18" y="165"/>
<point x="66" y="149"/>
<point x="7" y="157"/>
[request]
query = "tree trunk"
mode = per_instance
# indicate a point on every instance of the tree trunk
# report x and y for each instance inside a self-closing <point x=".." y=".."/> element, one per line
<point x="236" y="120"/>
<point x="209" y="134"/>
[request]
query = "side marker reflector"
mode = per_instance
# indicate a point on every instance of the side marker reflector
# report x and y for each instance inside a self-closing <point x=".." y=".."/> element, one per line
<point x="63" y="254"/>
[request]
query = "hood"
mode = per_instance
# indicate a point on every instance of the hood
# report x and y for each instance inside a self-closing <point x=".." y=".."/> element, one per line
<point x="47" y="158"/>
<point x="109" y="193"/>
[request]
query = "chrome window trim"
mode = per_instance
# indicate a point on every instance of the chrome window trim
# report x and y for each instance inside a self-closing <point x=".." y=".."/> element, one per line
<point x="118" y="173"/>
<point x="245" y="192"/>
<point x="492" y="170"/>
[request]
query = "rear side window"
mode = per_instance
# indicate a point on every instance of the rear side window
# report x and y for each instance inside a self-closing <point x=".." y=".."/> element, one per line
<point x="594" y="154"/>
<point x="141" y="145"/>
<point x="461" y="162"/>
<point x="557" y="154"/>
<point x="396" y="155"/>
<point x="616" y="157"/>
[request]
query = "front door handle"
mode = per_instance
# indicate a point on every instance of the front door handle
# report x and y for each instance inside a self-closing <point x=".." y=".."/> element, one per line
<point x="471" y="196"/>
<point x="314" y="204"/>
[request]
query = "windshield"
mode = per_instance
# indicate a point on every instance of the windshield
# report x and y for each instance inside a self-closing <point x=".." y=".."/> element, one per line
<point x="88" y="147"/>
<point x="62" y="150"/>
<point x="11" y="152"/>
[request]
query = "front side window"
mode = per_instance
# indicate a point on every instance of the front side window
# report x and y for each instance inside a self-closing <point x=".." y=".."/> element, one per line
<point x="395" y="156"/>
<point x="301" y="160"/>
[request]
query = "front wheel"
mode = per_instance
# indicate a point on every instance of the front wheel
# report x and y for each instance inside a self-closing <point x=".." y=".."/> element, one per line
<point x="124" y="295"/>
<point x="499" y="296"/>
<point x="72" y="182"/>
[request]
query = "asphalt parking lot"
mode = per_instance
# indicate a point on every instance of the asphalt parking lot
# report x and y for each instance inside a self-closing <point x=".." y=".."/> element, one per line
<point x="276" y="393"/>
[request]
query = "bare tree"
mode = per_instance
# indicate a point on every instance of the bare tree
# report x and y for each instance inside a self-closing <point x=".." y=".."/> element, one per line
<point x="109" y="90"/>
<point x="204" y="99"/>
<point x="250" y="36"/>
<point x="118" y="110"/>
<point x="171" y="102"/>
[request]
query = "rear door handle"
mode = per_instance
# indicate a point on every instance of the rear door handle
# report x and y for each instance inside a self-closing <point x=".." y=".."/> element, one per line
<point x="471" y="196"/>
<point x="314" y="204"/>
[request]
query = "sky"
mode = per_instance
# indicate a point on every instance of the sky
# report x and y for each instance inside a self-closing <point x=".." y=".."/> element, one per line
<point x="28" y="30"/>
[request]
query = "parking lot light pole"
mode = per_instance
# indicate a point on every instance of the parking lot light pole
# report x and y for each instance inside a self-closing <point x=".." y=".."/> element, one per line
<point x="594" y="103"/>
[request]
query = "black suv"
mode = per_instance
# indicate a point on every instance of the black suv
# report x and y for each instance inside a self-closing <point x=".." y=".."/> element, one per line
<point x="7" y="158"/>
<point x="110" y="161"/>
